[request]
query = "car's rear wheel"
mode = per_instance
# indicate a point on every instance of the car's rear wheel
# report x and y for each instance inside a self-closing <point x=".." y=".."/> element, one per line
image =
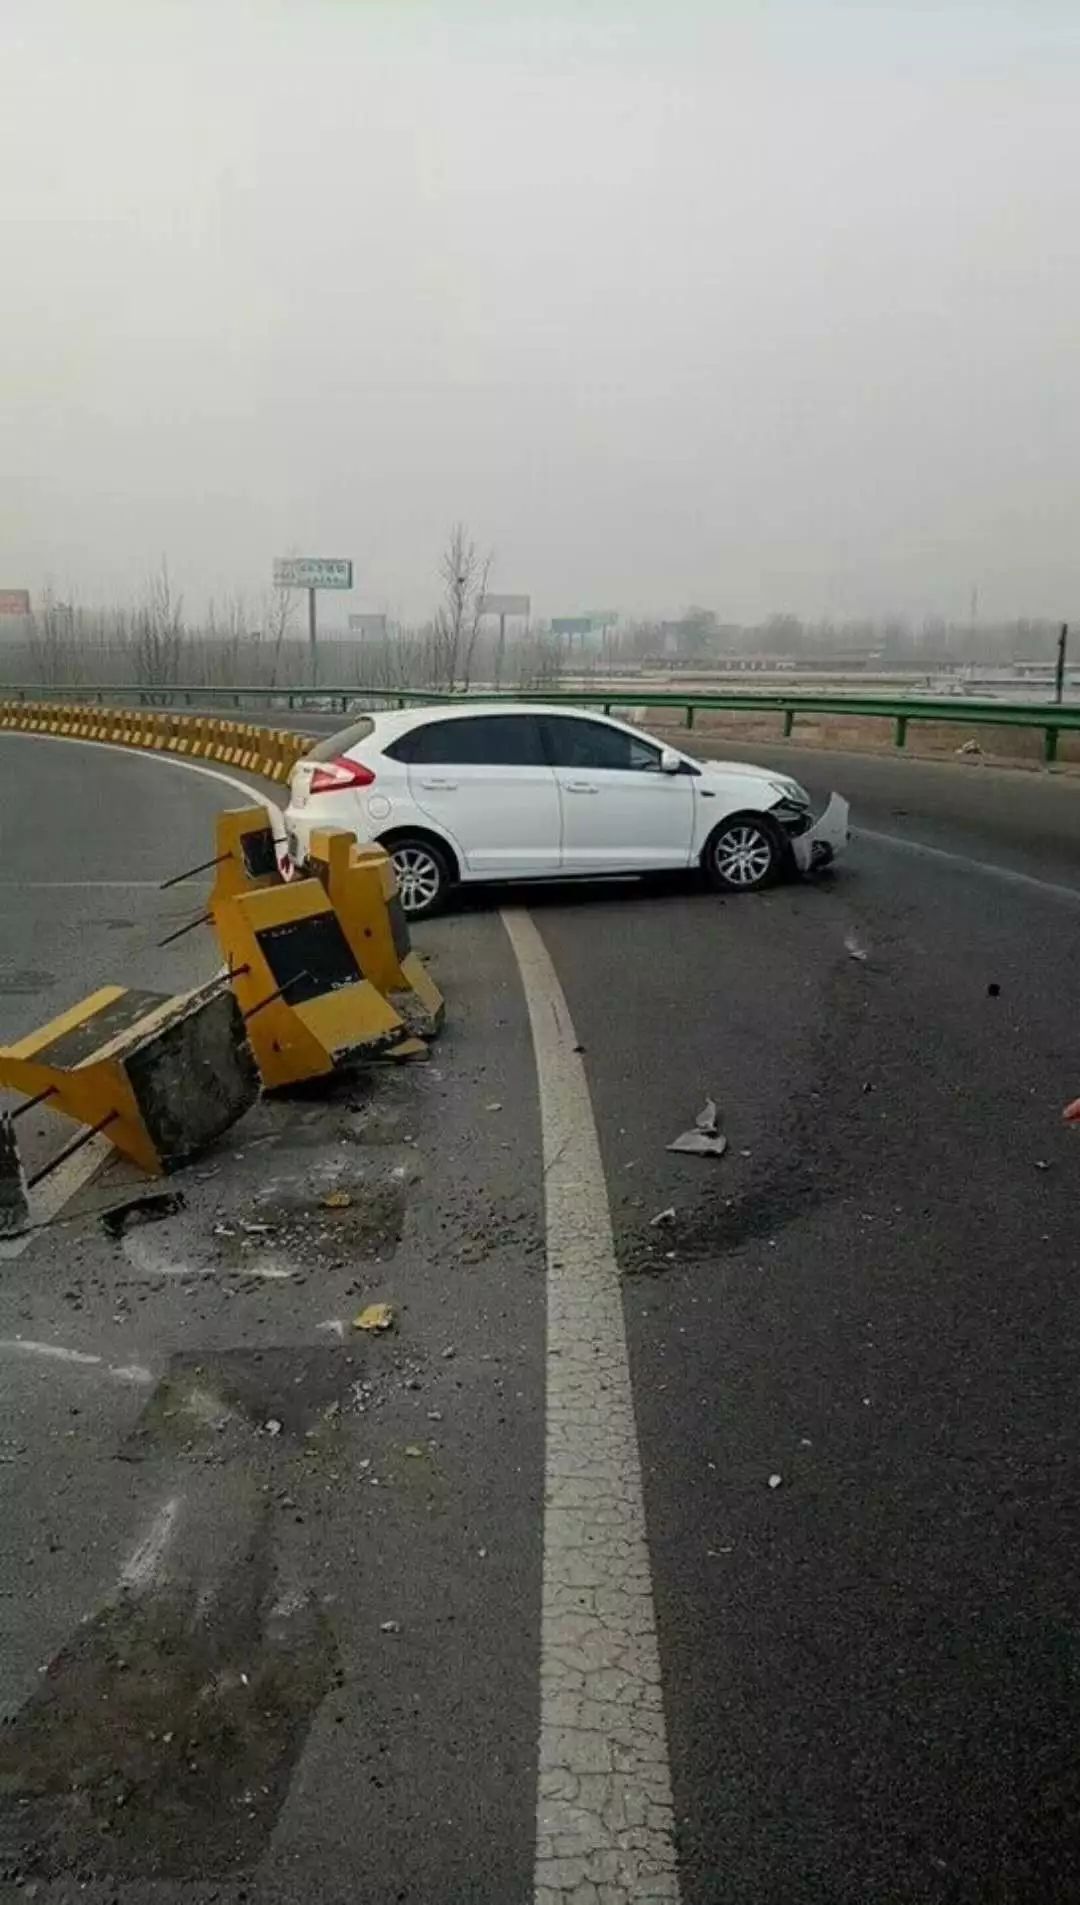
<point x="423" y="876"/>
<point x="743" y="854"/>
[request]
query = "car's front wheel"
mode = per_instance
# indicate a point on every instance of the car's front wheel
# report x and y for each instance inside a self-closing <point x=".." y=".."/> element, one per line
<point x="744" y="853"/>
<point x="423" y="876"/>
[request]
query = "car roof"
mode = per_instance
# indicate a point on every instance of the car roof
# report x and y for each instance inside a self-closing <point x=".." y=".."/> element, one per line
<point x="401" y="719"/>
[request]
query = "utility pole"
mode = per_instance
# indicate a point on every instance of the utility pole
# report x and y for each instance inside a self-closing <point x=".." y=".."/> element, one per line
<point x="1059" y="672"/>
<point x="501" y="650"/>
<point x="312" y="635"/>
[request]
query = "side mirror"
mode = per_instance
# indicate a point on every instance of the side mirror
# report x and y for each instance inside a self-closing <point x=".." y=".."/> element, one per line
<point x="670" y="762"/>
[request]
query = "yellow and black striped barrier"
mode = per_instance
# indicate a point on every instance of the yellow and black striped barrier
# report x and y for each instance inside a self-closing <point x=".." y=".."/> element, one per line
<point x="271" y="752"/>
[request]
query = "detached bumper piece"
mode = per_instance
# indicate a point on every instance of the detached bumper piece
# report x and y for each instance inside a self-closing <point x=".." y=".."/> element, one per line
<point x="161" y="1077"/>
<point x="828" y="836"/>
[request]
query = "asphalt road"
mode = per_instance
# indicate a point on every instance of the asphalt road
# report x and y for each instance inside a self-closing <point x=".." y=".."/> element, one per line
<point x="869" y="1668"/>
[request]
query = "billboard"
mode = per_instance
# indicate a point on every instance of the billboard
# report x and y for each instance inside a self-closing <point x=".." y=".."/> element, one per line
<point x="312" y="572"/>
<point x="14" y="601"/>
<point x="370" y="627"/>
<point x="571" y="624"/>
<point x="504" y="604"/>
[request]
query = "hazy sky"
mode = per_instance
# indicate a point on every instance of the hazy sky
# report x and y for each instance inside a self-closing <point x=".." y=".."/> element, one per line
<point x="768" y="306"/>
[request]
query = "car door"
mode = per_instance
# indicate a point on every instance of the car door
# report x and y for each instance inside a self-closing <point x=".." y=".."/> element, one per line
<point x="485" y="780"/>
<point x="619" y="812"/>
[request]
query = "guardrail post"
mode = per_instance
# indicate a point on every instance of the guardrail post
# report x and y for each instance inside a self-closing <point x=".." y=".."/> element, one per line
<point x="607" y="707"/>
<point x="900" y="734"/>
<point x="789" y="722"/>
<point x="689" y="721"/>
<point x="1050" y="745"/>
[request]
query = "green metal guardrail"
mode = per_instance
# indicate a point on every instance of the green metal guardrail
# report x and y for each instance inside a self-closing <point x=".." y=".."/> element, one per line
<point x="1051" y="718"/>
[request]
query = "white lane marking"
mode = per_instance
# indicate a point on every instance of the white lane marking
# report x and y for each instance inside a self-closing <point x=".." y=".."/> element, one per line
<point x="152" y="754"/>
<point x="64" y="1183"/>
<point x="48" y="886"/>
<point x="142" y="1566"/>
<point x="1027" y="880"/>
<point x="57" y="1190"/>
<point x="604" y="1815"/>
<point x="57" y="1352"/>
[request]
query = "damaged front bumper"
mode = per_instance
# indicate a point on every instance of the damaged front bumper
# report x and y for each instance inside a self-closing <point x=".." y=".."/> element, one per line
<point x="828" y="836"/>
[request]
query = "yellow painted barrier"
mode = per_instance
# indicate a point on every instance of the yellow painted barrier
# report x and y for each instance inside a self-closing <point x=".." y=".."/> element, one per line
<point x="271" y="752"/>
<point x="308" y="1009"/>
<point x="161" y="1077"/>
<point x="362" y="888"/>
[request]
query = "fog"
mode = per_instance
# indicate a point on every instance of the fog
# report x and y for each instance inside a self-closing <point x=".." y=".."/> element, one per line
<point x="769" y="306"/>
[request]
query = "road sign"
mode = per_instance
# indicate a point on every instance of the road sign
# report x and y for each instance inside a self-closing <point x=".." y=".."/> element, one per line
<point x="370" y="627"/>
<point x="312" y="572"/>
<point x="14" y="601"/>
<point x="504" y="604"/>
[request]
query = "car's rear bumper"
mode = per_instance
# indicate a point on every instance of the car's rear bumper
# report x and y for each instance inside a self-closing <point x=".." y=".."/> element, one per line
<point x="828" y="836"/>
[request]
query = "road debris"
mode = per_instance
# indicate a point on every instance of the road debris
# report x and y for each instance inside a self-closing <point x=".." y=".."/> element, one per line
<point x="14" y="1197"/>
<point x="494" y="1105"/>
<point x="970" y="749"/>
<point x="854" y="948"/>
<point x="1071" y="1113"/>
<point x="1043" y="1164"/>
<point x="337" y="1200"/>
<point x="993" y="990"/>
<point x="148" y="1207"/>
<point x="273" y="1426"/>
<point x="699" y="1144"/>
<point x="705" y="1139"/>
<point x="389" y="1627"/>
<point x="662" y="1217"/>
<point x="375" y="1316"/>
<point x="413" y="1449"/>
<point x="775" y="1481"/>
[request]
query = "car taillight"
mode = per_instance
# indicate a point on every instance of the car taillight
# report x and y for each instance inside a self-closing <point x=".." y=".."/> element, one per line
<point x="333" y="777"/>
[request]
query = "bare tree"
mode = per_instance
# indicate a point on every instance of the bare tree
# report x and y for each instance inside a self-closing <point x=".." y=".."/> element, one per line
<point x="158" y="628"/>
<point x="479" y="593"/>
<point x="456" y="623"/>
<point x="279" y="609"/>
<point x="52" y="645"/>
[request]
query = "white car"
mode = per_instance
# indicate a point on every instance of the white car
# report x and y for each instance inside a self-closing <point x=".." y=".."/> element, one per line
<point x="506" y="791"/>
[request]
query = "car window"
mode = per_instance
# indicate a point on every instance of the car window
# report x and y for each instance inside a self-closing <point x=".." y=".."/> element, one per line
<point x="592" y="744"/>
<point x="340" y="743"/>
<point x="480" y="740"/>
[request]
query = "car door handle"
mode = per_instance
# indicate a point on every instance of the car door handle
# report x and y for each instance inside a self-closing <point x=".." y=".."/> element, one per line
<point x="581" y="787"/>
<point x="438" y="783"/>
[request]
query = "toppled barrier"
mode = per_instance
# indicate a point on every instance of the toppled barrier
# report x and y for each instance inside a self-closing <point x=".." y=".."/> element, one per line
<point x="362" y="889"/>
<point x="308" y="1009"/>
<point x="160" y="1076"/>
<point x="320" y="975"/>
